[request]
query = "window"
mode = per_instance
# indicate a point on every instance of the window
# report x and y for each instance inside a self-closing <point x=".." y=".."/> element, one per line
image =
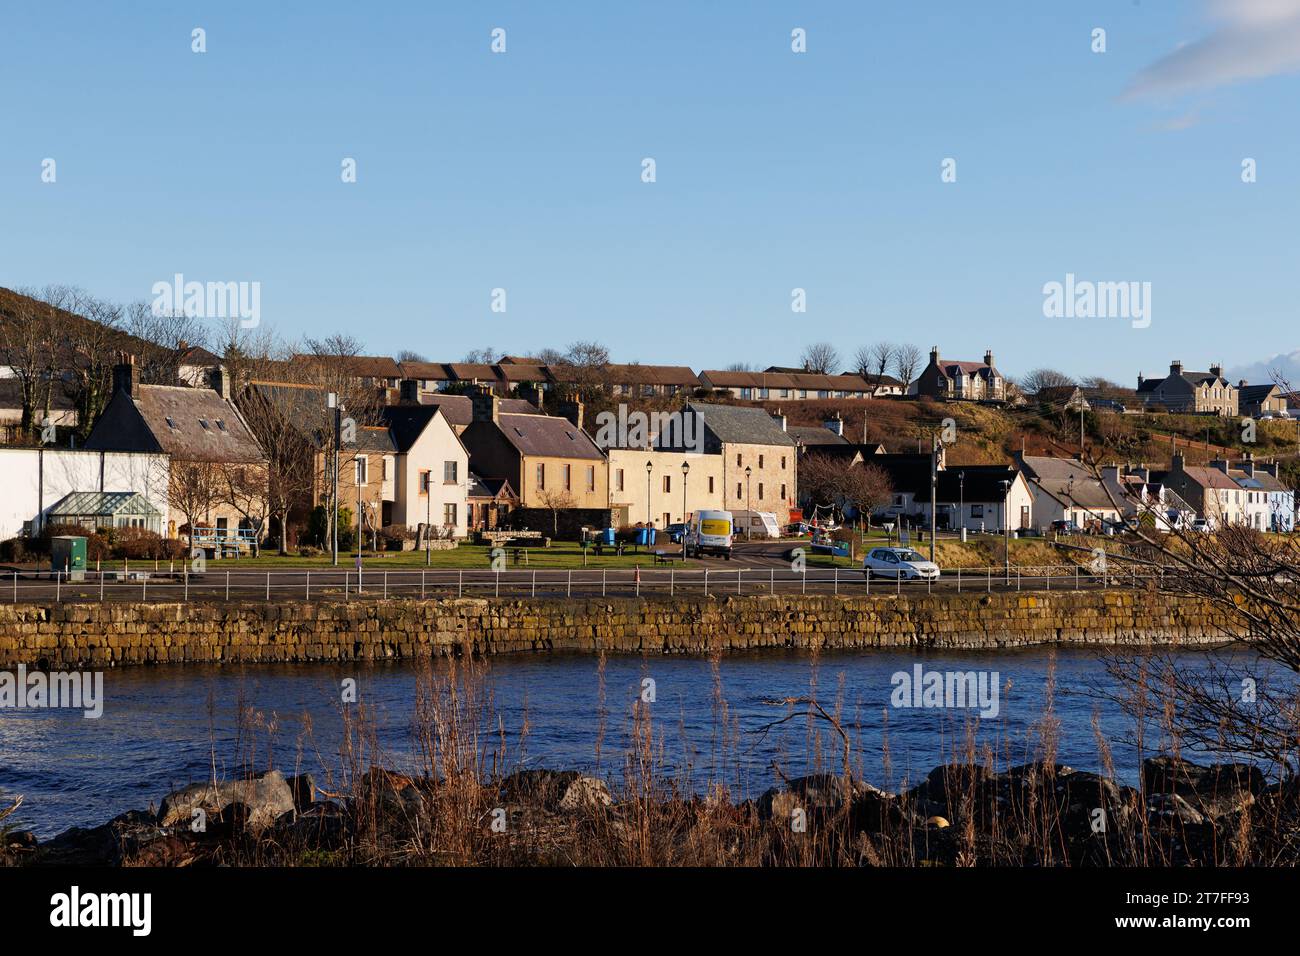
<point x="204" y="423"/>
<point x="668" y="484"/>
<point x="785" y="393"/>
<point x="171" y="423"/>
<point x="760" y="491"/>
<point x="760" y="461"/>
<point x="710" y="484"/>
<point x="568" y="477"/>
<point x="363" y="470"/>
<point x="541" y="477"/>
<point x="449" y="513"/>
<point x="737" y="459"/>
<point x="783" y="468"/>
<point x="783" y="494"/>
<point x="221" y="424"/>
<point x="746" y="393"/>
<point x="764" y="393"/>
<point x="740" y="491"/>
<point x="425" y="478"/>
<point x="591" y="477"/>
<point x="449" y="472"/>
<point x="618" y="479"/>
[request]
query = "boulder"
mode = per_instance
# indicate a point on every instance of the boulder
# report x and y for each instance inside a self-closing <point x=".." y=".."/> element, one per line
<point x="1171" y="808"/>
<point x="1213" y="791"/>
<point x="820" y="793"/>
<point x="303" y="788"/>
<point x="565" y="791"/>
<point x="266" y="797"/>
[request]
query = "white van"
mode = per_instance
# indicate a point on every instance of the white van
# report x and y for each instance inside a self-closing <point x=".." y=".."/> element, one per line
<point x="757" y="524"/>
<point x="709" y="532"/>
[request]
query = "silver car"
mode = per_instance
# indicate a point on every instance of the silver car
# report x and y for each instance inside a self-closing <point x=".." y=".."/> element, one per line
<point x="899" y="563"/>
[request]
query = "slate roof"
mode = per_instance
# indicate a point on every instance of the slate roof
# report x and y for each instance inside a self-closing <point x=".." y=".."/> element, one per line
<point x="304" y="406"/>
<point x="407" y="423"/>
<point x="480" y="487"/>
<point x="799" y="380"/>
<point x="425" y="371"/>
<point x="1068" y="481"/>
<point x="739" y="425"/>
<point x="809" y="435"/>
<point x="1256" y="393"/>
<point x="457" y="409"/>
<point x="547" y="436"/>
<point x="190" y="424"/>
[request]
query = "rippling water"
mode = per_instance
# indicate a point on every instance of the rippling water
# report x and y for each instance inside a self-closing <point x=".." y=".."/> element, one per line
<point x="164" y="726"/>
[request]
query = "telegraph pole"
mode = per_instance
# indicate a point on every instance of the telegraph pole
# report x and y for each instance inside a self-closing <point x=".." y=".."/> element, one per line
<point x="934" y="458"/>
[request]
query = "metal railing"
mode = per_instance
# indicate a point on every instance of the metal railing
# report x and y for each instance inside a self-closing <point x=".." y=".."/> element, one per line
<point x="338" y="584"/>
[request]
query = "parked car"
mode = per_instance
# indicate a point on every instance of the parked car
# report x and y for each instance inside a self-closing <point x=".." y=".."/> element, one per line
<point x="675" y="532"/>
<point x="1065" y="526"/>
<point x="1203" y="525"/>
<point x="898" y="563"/>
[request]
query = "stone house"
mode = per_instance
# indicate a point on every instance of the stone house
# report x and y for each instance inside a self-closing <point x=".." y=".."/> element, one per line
<point x="759" y="469"/>
<point x="953" y="380"/>
<point x="1205" y="393"/>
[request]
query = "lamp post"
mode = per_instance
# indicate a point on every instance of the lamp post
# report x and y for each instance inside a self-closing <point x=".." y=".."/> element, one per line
<point x="961" y="500"/>
<point x="686" y="468"/>
<point x="749" y="518"/>
<point x="649" y="467"/>
<point x="332" y="401"/>
<point x="361" y="530"/>
<point x="934" y="457"/>
<point x="428" y="518"/>
<point x="1006" y="527"/>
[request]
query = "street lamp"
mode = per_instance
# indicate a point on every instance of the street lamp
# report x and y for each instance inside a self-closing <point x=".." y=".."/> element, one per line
<point x="749" y="518"/>
<point x="686" y="468"/>
<point x="1006" y="526"/>
<point x="428" y="518"/>
<point x="332" y="401"/>
<point x="961" y="500"/>
<point x="649" y="467"/>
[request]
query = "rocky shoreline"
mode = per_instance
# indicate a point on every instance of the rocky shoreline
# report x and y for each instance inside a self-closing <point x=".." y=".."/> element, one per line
<point x="1037" y="814"/>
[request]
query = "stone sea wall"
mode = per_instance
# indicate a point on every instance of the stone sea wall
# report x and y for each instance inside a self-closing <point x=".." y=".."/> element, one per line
<point x="71" y="635"/>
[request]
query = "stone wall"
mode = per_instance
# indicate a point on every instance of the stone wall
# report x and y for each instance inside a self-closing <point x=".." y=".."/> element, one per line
<point x="117" y="633"/>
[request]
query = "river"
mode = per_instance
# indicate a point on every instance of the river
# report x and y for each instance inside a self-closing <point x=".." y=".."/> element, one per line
<point x="168" y="725"/>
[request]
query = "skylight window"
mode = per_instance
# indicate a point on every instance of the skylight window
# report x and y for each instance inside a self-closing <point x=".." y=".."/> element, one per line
<point x="170" y="423"/>
<point x="204" y="423"/>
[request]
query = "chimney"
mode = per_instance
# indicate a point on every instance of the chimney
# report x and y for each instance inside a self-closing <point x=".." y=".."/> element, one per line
<point x="126" y="375"/>
<point x="1176" y="367"/>
<point x="1176" y="463"/>
<point x="533" y="393"/>
<point x="835" y="423"/>
<point x="1139" y="381"/>
<point x="934" y="355"/>
<point x="572" y="411"/>
<point x="1220" y="464"/>
<point x="219" y="379"/>
<point x="1248" y="464"/>
<point x="408" y="390"/>
<point x="779" y="417"/>
<point x="1216" y="371"/>
<point x="487" y="406"/>
<point x="988" y="357"/>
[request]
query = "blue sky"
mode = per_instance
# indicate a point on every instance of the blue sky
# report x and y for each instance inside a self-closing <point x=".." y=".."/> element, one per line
<point x="775" y="170"/>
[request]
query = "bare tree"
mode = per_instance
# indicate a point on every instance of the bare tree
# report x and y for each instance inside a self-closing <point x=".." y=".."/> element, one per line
<point x="484" y="356"/>
<point x="821" y="358"/>
<point x="406" y="355"/>
<point x="1040" y="378"/>
<point x="556" y="501"/>
<point x="873" y="362"/>
<point x="193" y="488"/>
<point x="866" y="487"/>
<point x="907" y="363"/>
<point x="165" y="335"/>
<point x="29" y="336"/>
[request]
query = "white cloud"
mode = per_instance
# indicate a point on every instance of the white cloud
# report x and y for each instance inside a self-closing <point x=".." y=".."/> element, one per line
<point x="1253" y="39"/>
<point x="1260" y="373"/>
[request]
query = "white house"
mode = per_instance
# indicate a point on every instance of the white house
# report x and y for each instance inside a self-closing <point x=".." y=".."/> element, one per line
<point x="1066" y="489"/>
<point x="431" y="479"/>
<point x="36" y="479"/>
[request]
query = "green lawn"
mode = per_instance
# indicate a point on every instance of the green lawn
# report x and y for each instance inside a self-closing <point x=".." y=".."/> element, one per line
<point x="561" y="554"/>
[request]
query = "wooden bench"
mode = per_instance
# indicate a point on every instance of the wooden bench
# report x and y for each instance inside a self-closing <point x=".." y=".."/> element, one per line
<point x="661" y="557"/>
